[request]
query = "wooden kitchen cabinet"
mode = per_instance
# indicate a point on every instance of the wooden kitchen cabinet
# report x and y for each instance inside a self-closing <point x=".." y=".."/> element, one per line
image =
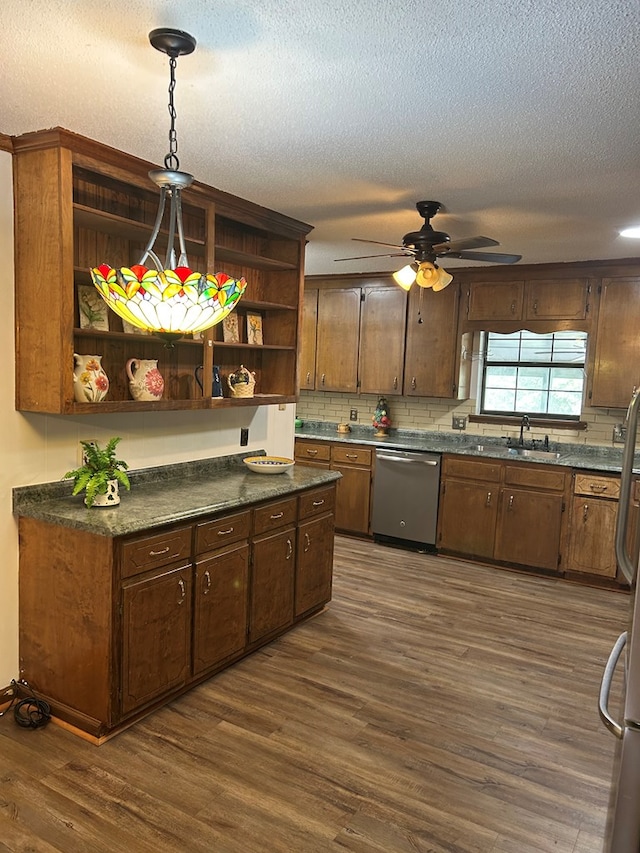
<point x="383" y="312"/>
<point x="502" y="511"/>
<point x="468" y="507"/>
<point x="314" y="560"/>
<point x="111" y="628"/>
<point x="527" y="300"/>
<point x="436" y="363"/>
<point x="530" y="516"/>
<point x="315" y="453"/>
<point x="308" y="345"/>
<point x="337" y="339"/>
<point x="616" y="365"/>
<point x="79" y="204"/>
<point x="353" y="493"/>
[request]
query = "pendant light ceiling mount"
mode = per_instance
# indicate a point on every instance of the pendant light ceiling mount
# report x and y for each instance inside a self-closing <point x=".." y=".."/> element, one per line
<point x="171" y="300"/>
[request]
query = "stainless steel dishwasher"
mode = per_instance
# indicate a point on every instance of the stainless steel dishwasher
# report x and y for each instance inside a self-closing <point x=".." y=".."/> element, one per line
<point x="406" y="487"/>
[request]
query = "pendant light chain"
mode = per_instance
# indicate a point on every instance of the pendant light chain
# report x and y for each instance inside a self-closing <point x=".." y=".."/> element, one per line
<point x="171" y="161"/>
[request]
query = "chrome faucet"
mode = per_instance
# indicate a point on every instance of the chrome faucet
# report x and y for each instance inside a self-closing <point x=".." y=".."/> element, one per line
<point x="524" y="424"/>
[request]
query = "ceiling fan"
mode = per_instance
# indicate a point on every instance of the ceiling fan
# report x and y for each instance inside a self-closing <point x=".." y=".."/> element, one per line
<point x="426" y="245"/>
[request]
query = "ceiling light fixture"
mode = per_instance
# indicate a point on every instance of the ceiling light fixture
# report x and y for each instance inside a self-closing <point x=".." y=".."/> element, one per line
<point x="425" y="274"/>
<point x="171" y="300"/>
<point x="631" y="232"/>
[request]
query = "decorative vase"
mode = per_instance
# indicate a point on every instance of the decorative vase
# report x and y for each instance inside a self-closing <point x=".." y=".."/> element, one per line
<point x="216" y="384"/>
<point x="241" y="383"/>
<point x="90" y="382"/>
<point x="145" y="380"/>
<point x="110" y="498"/>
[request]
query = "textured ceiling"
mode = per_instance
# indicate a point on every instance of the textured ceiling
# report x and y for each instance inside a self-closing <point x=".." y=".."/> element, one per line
<point x="521" y="117"/>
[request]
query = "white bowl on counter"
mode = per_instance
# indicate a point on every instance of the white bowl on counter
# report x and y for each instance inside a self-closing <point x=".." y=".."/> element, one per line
<point x="268" y="464"/>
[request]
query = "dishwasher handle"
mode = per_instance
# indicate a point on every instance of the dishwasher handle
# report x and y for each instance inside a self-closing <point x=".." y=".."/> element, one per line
<point x="605" y="686"/>
<point x="415" y="457"/>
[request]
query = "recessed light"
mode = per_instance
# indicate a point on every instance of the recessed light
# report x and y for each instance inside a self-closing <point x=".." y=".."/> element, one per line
<point x="631" y="232"/>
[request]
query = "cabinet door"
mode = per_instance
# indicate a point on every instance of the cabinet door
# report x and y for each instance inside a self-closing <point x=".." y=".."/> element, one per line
<point x="220" y="606"/>
<point x="314" y="564"/>
<point x="337" y="340"/>
<point x="353" y="498"/>
<point x="529" y="526"/>
<point x="272" y="580"/>
<point x="431" y="343"/>
<point x="308" y="340"/>
<point x="382" y="328"/>
<point x="593" y="525"/>
<point x="156" y="635"/>
<point x="617" y="347"/>
<point x="495" y="300"/>
<point x="564" y="299"/>
<point x="467" y="517"/>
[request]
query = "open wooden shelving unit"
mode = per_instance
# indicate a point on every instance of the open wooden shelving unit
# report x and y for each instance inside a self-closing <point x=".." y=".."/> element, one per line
<point x="79" y="204"/>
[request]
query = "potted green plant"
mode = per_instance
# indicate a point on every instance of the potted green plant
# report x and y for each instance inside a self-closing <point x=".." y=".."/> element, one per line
<point x="100" y="474"/>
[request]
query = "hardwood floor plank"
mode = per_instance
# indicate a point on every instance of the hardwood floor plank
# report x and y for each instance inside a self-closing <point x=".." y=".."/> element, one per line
<point x="435" y="706"/>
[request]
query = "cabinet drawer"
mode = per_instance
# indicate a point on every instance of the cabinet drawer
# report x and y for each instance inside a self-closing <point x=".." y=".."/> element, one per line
<point x="472" y="469"/>
<point x="347" y="454"/>
<point x="596" y="486"/>
<point x="149" y="552"/>
<point x="316" y="502"/>
<point x="535" y="476"/>
<point x="222" y="531"/>
<point x="312" y="450"/>
<point x="274" y="515"/>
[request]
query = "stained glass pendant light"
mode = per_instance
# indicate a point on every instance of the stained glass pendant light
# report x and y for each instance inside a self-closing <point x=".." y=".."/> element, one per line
<point x="171" y="299"/>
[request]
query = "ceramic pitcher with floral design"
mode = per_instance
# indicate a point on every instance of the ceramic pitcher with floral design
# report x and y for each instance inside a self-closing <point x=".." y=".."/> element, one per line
<point x="90" y="382"/>
<point x="145" y="380"/>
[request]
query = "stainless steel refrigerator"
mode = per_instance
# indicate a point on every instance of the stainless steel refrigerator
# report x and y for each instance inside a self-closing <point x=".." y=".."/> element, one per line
<point x="623" y="819"/>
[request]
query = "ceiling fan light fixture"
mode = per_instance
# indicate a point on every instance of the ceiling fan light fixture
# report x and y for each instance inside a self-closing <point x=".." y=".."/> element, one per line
<point x="634" y="232"/>
<point x="171" y="300"/>
<point x="444" y="279"/>
<point x="427" y="274"/>
<point x="406" y="276"/>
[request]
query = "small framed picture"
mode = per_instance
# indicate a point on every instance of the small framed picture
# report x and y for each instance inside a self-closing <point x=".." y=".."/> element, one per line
<point x="230" y="329"/>
<point x="130" y="329"/>
<point x="254" y="328"/>
<point x="92" y="309"/>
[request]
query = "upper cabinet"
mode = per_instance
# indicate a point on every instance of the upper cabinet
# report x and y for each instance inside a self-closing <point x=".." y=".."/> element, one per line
<point x="337" y="340"/>
<point x="382" y="328"/>
<point x="616" y="362"/>
<point x="526" y="300"/>
<point x="308" y="342"/>
<point x="79" y="204"/>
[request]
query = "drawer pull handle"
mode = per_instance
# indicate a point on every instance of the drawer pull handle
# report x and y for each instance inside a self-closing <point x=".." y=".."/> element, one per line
<point x="207" y="578"/>
<point x="585" y="512"/>
<point x="351" y="455"/>
<point x="513" y="307"/>
<point x="289" y="549"/>
<point x="323" y="376"/>
<point x="535" y="306"/>
<point x="183" y="591"/>
<point x="395" y="382"/>
<point x="488" y="503"/>
<point x="308" y="378"/>
<point x="414" y="383"/>
<point x="276" y="516"/>
<point x="159" y="553"/>
<point x="510" y="507"/>
<point x="318" y="503"/>
<point x="312" y="452"/>
<point x="225" y="532"/>
<point x="307" y="542"/>
<point x="598" y="489"/>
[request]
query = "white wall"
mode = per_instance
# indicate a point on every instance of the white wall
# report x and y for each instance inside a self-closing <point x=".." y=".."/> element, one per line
<point x="40" y="448"/>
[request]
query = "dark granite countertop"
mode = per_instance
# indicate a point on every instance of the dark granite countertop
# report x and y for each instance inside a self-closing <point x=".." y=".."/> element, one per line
<point x="167" y="494"/>
<point x="585" y="457"/>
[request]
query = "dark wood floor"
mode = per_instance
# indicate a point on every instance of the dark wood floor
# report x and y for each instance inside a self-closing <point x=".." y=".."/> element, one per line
<point x="436" y="706"/>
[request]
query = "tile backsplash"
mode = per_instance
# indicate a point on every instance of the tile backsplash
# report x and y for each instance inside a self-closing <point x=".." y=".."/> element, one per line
<point x="429" y="413"/>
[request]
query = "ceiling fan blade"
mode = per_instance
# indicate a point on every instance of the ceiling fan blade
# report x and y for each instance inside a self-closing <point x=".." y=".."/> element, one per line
<point x="465" y="243"/>
<point x="364" y="257"/>
<point x="377" y="243"/>
<point x="490" y="257"/>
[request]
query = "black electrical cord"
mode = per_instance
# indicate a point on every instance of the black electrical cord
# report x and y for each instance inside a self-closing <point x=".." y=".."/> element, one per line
<point x="30" y="712"/>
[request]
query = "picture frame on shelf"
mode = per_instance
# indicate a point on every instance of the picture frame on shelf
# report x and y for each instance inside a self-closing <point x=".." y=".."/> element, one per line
<point x="231" y="329"/>
<point x="254" y="328"/>
<point x="130" y="329"/>
<point x="92" y="309"/>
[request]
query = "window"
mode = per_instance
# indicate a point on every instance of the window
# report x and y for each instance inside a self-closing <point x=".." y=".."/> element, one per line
<point x="526" y="373"/>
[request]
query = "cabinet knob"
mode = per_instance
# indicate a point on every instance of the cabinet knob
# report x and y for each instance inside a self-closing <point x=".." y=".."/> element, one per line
<point x="488" y="503"/>
<point x="510" y="507"/>
<point x="513" y="307"/>
<point x="413" y="383"/>
<point x="535" y="306"/>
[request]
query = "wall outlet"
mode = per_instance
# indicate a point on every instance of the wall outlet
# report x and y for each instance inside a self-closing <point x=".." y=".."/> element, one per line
<point x="244" y="436"/>
<point x="353" y="415"/>
<point x="81" y="456"/>
<point x="458" y="422"/>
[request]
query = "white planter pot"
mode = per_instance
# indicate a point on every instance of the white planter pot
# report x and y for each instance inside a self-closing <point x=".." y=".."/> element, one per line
<point x="110" y="498"/>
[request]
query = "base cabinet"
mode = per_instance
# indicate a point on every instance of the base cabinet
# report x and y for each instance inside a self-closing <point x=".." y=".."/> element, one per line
<point x="152" y="614"/>
<point x="469" y="491"/>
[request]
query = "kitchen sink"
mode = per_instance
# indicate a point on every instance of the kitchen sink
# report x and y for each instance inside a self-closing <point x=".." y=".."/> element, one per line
<point x="524" y="452"/>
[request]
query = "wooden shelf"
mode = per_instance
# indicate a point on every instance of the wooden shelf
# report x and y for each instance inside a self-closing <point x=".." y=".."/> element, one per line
<point x="108" y="407"/>
<point x="246" y="259"/>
